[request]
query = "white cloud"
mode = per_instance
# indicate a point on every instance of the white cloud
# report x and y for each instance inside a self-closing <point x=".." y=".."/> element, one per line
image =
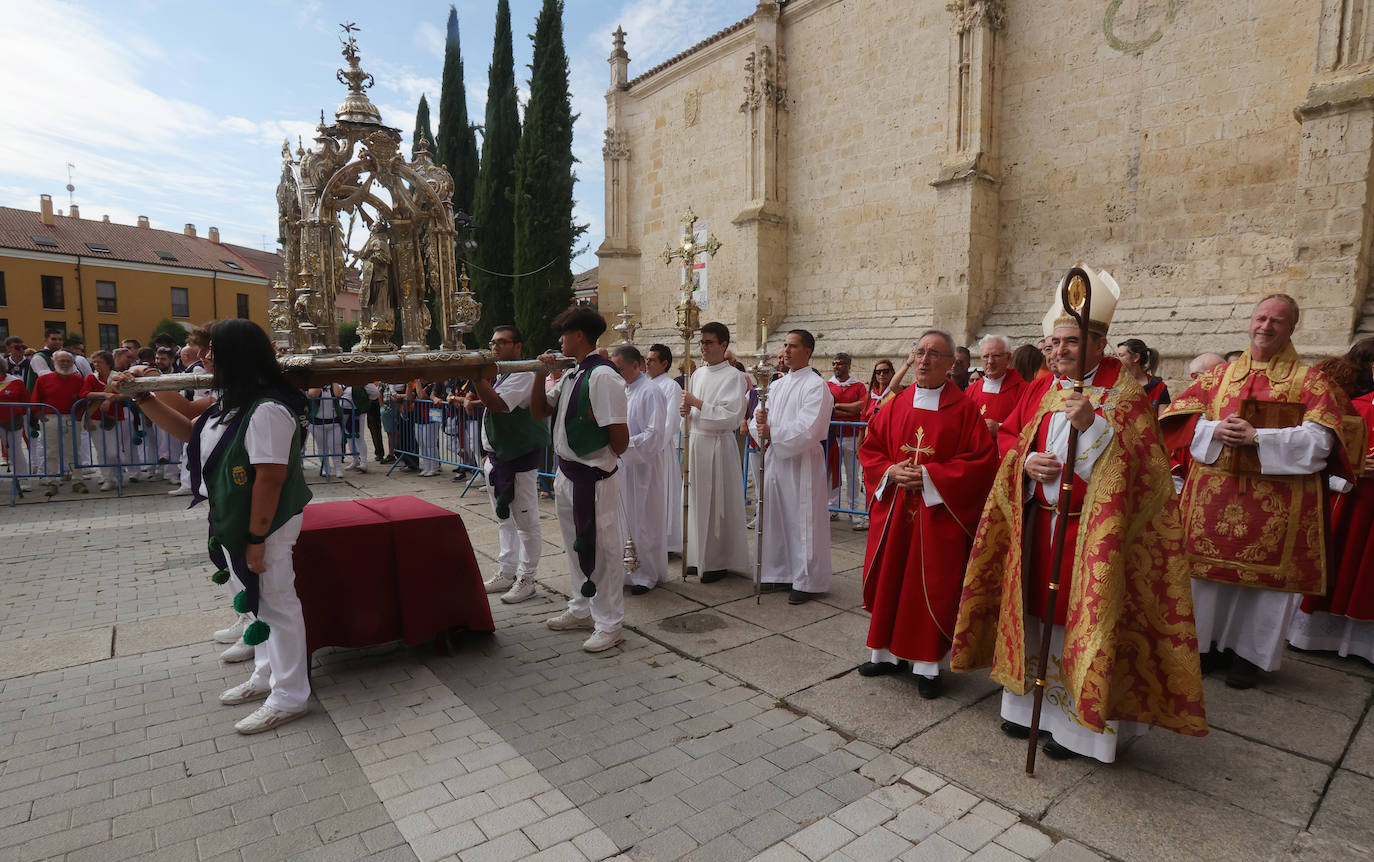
<point x="430" y="39"/>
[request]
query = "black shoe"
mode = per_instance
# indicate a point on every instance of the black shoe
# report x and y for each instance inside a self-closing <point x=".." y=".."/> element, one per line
<point x="1215" y="659"/>
<point x="799" y="597"/>
<point x="1015" y="731"/>
<point x="929" y="688"/>
<point x="1055" y="751"/>
<point x="712" y="576"/>
<point x="1242" y="674"/>
<point x="882" y="668"/>
<point x="638" y="590"/>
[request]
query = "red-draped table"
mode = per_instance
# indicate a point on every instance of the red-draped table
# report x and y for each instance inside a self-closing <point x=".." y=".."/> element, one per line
<point x="391" y="568"/>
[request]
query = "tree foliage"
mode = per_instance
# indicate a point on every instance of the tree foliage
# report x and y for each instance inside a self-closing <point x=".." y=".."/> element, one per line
<point x="493" y="202"/>
<point x="457" y="146"/>
<point x="422" y="128"/>
<point x="544" y="229"/>
<point x="348" y="334"/>
<point x="167" y="326"/>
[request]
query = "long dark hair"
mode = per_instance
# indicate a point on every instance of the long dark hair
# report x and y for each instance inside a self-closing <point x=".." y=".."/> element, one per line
<point x="1027" y="360"/>
<point x="1362" y="357"/>
<point x="246" y="367"/>
<point x="1148" y="356"/>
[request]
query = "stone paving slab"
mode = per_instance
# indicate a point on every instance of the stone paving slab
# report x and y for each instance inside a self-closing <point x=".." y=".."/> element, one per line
<point x="720" y="729"/>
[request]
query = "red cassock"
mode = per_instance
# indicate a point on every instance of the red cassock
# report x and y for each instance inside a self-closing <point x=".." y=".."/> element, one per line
<point x="1351" y="557"/>
<point x="997" y="405"/>
<point x="914" y="566"/>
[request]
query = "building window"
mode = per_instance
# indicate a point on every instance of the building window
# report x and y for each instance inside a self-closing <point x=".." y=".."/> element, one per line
<point x="59" y="325"/>
<point x="4" y="328"/>
<point x="109" y="336"/>
<point x="52" y="292"/>
<point x="105" y="301"/>
<point x="181" y="302"/>
<point x="243" y="305"/>
<point x="3" y="300"/>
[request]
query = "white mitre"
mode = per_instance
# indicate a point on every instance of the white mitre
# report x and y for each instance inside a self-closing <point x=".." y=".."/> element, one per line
<point x="1106" y="293"/>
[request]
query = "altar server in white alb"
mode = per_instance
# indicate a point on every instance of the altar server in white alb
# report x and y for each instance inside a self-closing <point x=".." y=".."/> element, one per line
<point x="643" y="497"/>
<point x="718" y="400"/>
<point x="660" y="362"/>
<point x="589" y="433"/>
<point x="796" y="520"/>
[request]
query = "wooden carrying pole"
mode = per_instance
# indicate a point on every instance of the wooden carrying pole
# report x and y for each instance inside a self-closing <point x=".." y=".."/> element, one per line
<point x="1076" y="281"/>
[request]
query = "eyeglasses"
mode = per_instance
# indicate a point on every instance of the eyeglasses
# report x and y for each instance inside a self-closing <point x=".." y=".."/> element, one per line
<point x="931" y="354"/>
<point x="882" y="371"/>
<point x="497" y="342"/>
<point x="986" y="356"/>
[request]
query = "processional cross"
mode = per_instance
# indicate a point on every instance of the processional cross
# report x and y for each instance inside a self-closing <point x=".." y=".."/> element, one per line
<point x="688" y="319"/>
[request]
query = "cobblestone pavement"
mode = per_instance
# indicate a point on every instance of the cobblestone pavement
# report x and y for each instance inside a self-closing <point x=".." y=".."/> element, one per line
<point x="722" y="729"/>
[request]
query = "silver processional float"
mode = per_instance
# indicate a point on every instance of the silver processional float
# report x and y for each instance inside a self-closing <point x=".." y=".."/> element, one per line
<point x="411" y="281"/>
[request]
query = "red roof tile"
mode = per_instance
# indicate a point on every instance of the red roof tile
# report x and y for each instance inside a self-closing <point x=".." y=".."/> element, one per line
<point x="126" y="243"/>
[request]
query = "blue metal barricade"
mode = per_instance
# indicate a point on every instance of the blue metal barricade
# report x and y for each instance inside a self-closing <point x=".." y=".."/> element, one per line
<point x="115" y="444"/>
<point x="846" y="473"/>
<point x="27" y="430"/>
<point x="430" y="436"/>
<point x="331" y="438"/>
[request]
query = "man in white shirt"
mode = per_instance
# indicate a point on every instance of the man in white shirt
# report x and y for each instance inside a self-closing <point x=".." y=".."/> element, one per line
<point x="514" y="443"/>
<point x="589" y="434"/>
<point x="642" y="496"/>
<point x="718" y="399"/>
<point x="796" y="520"/>
<point x="658" y="362"/>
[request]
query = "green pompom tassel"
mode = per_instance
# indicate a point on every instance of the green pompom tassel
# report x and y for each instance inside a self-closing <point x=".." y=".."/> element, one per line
<point x="214" y="544"/>
<point x="241" y="602"/>
<point x="221" y="576"/>
<point x="138" y="439"/>
<point x="256" y="633"/>
<point x="577" y="545"/>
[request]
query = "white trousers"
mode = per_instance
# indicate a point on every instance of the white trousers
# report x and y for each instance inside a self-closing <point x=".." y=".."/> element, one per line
<point x="358" y="449"/>
<point x="607" y="607"/>
<point x="52" y="442"/>
<point x="851" y="479"/>
<point x="518" y="535"/>
<point x="329" y="446"/>
<point x="427" y="444"/>
<point x="672" y="472"/>
<point x="1251" y="621"/>
<point x="109" y="451"/>
<point x="17" y="448"/>
<point x="280" y="661"/>
<point x="1058" y="712"/>
<point x="169" y="451"/>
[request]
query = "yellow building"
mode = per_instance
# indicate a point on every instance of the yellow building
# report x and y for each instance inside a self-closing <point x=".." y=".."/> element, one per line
<point x="113" y="281"/>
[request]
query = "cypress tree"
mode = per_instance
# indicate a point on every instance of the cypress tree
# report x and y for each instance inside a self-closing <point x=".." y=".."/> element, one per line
<point x="544" y="229"/>
<point x="457" y="146"/>
<point x="422" y="126"/>
<point x="493" y="205"/>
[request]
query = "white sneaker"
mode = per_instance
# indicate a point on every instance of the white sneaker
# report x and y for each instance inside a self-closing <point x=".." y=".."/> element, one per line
<point x="498" y="584"/>
<point x="266" y="718"/>
<point x="361" y="468"/>
<point x="426" y="474"/>
<point x="179" y="492"/>
<point x="243" y="693"/>
<point x="236" y="653"/>
<point x="566" y="622"/>
<point x="602" y="641"/>
<point x="107" y="486"/>
<point x="234" y="632"/>
<point x="522" y="589"/>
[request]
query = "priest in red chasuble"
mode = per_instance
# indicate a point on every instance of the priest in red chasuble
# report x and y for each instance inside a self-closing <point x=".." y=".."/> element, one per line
<point x="998" y="390"/>
<point x="930" y="461"/>
<point x="1262" y="431"/>
<point x="1123" y="650"/>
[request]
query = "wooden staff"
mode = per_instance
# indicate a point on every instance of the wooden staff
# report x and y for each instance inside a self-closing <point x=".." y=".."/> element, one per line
<point x="1076" y="298"/>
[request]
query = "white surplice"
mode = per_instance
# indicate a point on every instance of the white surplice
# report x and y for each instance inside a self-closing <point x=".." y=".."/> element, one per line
<point x="672" y="458"/>
<point x="643" y="498"/>
<point x="715" y="521"/>
<point x="796" y="520"/>
<point x="1251" y="621"/>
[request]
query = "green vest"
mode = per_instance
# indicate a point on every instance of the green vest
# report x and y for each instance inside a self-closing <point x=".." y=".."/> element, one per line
<point x="230" y="487"/>
<point x="584" y="435"/>
<point x="511" y="435"/>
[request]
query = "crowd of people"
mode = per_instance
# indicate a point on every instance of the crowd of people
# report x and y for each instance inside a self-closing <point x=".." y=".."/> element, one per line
<point x="1198" y="532"/>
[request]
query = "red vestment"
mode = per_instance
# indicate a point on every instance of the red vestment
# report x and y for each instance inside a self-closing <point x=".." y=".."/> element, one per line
<point x="914" y="565"/>
<point x="1130" y="645"/>
<point x="1256" y="529"/>
<point x="1351" y="591"/>
<point x="997" y="405"/>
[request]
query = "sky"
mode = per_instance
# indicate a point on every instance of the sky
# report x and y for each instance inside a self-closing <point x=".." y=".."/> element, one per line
<point x="177" y="110"/>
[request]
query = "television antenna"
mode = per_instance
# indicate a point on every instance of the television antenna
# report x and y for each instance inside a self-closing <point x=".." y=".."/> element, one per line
<point x="71" y="189"/>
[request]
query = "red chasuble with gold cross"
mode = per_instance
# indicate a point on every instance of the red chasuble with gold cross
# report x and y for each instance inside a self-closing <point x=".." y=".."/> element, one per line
<point x="914" y="566"/>
<point x="1241" y="526"/>
<point x="997" y="405"/>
